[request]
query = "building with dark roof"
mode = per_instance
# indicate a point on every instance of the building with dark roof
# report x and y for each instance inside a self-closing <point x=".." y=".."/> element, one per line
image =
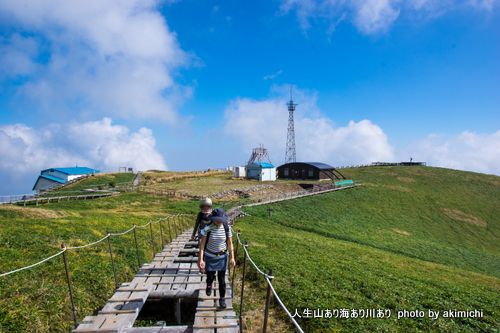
<point x="53" y="177"/>
<point x="308" y="171"/>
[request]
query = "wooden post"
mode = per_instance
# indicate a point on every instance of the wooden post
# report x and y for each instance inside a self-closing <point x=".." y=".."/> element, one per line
<point x="169" y="230"/>
<point x="112" y="259"/>
<point x="178" y="311"/>
<point x="68" y="281"/>
<point x="268" y="298"/>
<point x="161" y="235"/>
<point x="175" y="225"/>
<point x="136" y="248"/>
<point x="235" y="258"/>
<point x="243" y="287"/>
<point x="152" y="239"/>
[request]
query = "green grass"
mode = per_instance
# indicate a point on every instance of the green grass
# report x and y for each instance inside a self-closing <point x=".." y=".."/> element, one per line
<point x="104" y="181"/>
<point x="391" y="243"/>
<point x="205" y="185"/>
<point x="36" y="300"/>
<point x="409" y="238"/>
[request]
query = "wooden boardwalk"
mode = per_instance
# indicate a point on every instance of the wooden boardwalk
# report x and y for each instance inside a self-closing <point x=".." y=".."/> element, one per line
<point x="173" y="274"/>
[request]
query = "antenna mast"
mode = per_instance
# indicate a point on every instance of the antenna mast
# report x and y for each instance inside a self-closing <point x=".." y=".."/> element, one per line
<point x="290" y="138"/>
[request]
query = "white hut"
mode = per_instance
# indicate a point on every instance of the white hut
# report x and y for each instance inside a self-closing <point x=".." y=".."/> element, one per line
<point x="262" y="171"/>
<point x="240" y="172"/>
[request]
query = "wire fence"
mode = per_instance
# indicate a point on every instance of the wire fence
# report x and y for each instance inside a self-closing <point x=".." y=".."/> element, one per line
<point x="378" y="164"/>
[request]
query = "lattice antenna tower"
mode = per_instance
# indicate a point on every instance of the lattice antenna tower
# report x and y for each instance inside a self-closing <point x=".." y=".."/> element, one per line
<point x="259" y="154"/>
<point x="290" y="154"/>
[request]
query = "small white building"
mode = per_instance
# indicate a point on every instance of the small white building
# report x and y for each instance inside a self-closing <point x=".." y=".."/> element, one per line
<point x="262" y="171"/>
<point x="240" y="172"/>
<point x="50" y="178"/>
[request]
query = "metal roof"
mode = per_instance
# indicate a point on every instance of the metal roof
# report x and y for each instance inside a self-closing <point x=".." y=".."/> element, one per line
<point x="320" y="165"/>
<point x="55" y="179"/>
<point x="264" y="165"/>
<point x="74" y="170"/>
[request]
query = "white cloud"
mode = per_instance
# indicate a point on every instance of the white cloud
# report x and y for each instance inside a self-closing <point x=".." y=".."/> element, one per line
<point x="100" y="56"/>
<point x="99" y="144"/>
<point x="373" y="16"/>
<point x="253" y="122"/>
<point x="472" y="151"/>
<point x="273" y="75"/>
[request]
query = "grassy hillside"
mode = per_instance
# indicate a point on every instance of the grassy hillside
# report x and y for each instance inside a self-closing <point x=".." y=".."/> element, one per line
<point x="98" y="181"/>
<point x="36" y="300"/>
<point x="409" y="238"/>
<point x="216" y="182"/>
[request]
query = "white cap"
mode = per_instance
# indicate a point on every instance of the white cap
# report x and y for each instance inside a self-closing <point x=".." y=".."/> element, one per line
<point x="206" y="202"/>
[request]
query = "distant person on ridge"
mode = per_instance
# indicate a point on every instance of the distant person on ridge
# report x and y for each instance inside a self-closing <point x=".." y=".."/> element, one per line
<point x="215" y="245"/>
<point x="202" y="219"/>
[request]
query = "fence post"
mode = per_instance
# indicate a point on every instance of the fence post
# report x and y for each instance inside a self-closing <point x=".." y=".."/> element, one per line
<point x="161" y="235"/>
<point x="112" y="259"/>
<point x="268" y="298"/>
<point x="136" y="248"/>
<point x="169" y="230"/>
<point x="174" y="225"/>
<point x="235" y="258"/>
<point x="68" y="281"/>
<point x="152" y="239"/>
<point x="243" y="286"/>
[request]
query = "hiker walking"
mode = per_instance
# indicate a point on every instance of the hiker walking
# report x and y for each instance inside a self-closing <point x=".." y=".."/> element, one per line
<point x="202" y="219"/>
<point x="215" y="246"/>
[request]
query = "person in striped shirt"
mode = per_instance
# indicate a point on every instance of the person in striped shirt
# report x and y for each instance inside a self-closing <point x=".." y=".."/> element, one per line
<point x="216" y="245"/>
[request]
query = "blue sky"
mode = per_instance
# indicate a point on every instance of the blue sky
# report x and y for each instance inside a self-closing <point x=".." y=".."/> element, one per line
<point x="191" y="85"/>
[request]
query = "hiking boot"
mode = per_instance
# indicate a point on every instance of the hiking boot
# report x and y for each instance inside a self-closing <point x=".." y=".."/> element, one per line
<point x="209" y="290"/>
<point x="222" y="303"/>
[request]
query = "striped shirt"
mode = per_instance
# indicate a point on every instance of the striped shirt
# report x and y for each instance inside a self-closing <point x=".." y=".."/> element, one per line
<point x="216" y="242"/>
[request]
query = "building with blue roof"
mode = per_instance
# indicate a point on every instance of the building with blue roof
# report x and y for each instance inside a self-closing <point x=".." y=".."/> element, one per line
<point x="258" y="167"/>
<point x="54" y="177"/>
<point x="263" y="171"/>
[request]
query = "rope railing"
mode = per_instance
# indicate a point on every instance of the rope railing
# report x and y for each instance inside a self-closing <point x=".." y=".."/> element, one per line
<point x="88" y="245"/>
<point x="33" y="265"/>
<point x="283" y="306"/>
<point x="270" y="289"/>
<point x="108" y="234"/>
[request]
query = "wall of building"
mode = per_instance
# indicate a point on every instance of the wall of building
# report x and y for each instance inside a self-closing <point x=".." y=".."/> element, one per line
<point x="253" y="172"/>
<point x="268" y="174"/>
<point x="240" y="172"/>
<point x="301" y="171"/>
<point x="71" y="177"/>
<point x="44" y="184"/>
